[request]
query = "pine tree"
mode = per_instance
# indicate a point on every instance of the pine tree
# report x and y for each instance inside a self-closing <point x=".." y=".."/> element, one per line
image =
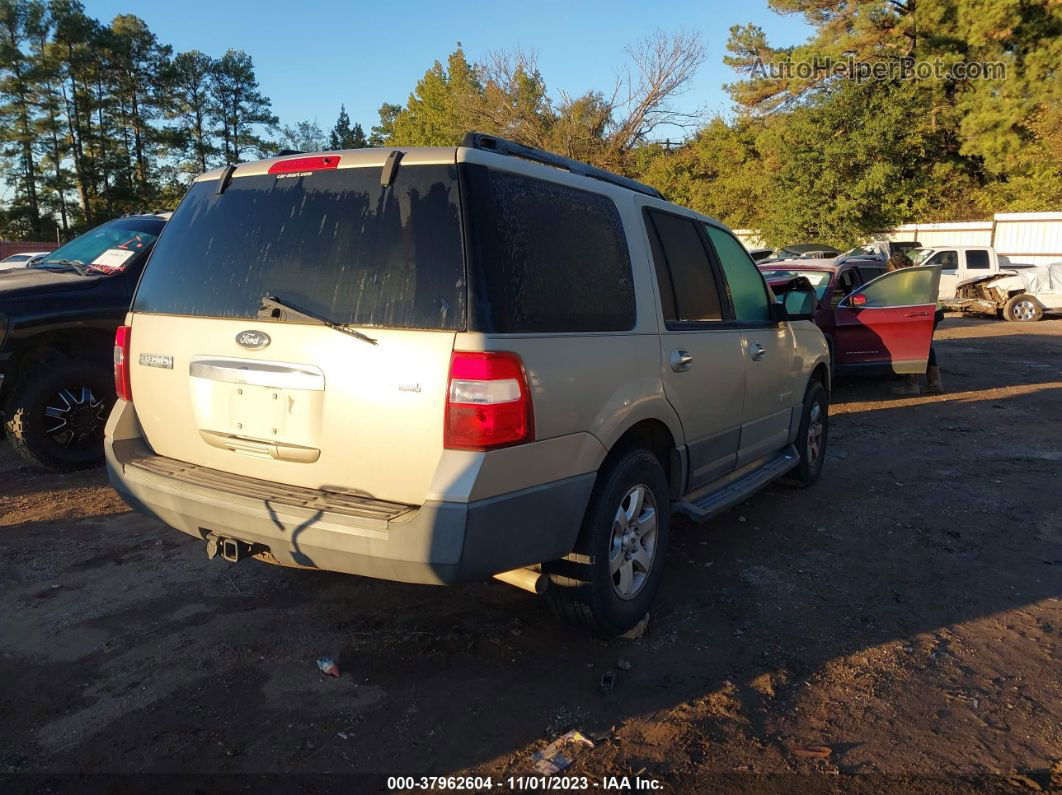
<point x="18" y="115"/>
<point x="189" y="105"/>
<point x="341" y="135"/>
<point x="238" y="106"/>
<point x="380" y="134"/>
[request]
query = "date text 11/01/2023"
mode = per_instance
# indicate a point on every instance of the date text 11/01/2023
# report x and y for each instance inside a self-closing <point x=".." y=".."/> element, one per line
<point x="524" y="783"/>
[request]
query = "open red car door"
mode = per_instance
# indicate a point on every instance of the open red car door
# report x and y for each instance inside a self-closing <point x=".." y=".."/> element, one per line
<point x="887" y="323"/>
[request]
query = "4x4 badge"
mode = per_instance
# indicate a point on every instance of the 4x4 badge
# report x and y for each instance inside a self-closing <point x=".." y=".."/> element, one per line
<point x="252" y="340"/>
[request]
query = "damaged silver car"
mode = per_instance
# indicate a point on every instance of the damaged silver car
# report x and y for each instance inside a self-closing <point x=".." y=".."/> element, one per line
<point x="1022" y="296"/>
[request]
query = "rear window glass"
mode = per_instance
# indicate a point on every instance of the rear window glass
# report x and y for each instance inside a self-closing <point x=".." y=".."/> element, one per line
<point x="333" y="243"/>
<point x="977" y="260"/>
<point x="547" y="257"/>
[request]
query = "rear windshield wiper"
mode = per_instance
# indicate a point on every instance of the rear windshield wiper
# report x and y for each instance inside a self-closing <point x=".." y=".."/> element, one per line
<point x="274" y="308"/>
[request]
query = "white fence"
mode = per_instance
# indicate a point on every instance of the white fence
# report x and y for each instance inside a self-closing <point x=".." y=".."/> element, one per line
<point x="1034" y="238"/>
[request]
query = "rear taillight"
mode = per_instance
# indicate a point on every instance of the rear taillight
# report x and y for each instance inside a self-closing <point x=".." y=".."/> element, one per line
<point x="488" y="402"/>
<point x="121" y="363"/>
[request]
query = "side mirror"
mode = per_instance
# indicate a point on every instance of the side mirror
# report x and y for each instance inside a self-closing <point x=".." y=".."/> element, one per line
<point x="800" y="304"/>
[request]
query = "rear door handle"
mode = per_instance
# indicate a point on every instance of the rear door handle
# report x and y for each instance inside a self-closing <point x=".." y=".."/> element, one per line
<point x="917" y="314"/>
<point x="757" y="352"/>
<point x="681" y="361"/>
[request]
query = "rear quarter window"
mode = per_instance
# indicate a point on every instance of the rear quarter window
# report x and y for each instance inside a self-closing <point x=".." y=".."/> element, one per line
<point x="545" y="257"/>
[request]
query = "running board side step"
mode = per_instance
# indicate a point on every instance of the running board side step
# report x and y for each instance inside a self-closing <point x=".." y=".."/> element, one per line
<point x="701" y="508"/>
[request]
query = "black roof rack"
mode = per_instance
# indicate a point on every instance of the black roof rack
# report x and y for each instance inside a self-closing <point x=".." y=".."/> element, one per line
<point x="503" y="146"/>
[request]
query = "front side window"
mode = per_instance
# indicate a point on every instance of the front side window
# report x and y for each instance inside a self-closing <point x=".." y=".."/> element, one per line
<point x="546" y="257"/>
<point x="846" y="282"/>
<point x="903" y="287"/>
<point x="688" y="290"/>
<point x="977" y="260"/>
<point x="748" y="292"/>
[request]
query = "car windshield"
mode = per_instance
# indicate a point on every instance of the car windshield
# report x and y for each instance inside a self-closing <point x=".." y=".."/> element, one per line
<point x="919" y="255"/>
<point x="820" y="280"/>
<point x="105" y="250"/>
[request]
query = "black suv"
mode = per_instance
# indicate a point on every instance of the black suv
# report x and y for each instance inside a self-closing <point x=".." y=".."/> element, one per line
<point x="58" y="316"/>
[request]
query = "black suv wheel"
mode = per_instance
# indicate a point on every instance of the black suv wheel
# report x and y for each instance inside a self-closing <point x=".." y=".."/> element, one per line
<point x="56" y="415"/>
<point x="608" y="584"/>
<point x="812" y="436"/>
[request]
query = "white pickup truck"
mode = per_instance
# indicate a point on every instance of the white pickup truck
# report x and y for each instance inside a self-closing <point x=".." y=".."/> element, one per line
<point x="960" y="263"/>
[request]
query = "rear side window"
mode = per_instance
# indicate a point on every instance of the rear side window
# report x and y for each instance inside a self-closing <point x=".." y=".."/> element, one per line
<point x="334" y="243"/>
<point x="869" y="273"/>
<point x="687" y="285"/>
<point x="545" y="257"/>
<point x="748" y="292"/>
<point x="977" y="260"/>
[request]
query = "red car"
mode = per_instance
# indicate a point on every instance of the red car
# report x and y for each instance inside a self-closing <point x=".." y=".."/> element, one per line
<point x="874" y="321"/>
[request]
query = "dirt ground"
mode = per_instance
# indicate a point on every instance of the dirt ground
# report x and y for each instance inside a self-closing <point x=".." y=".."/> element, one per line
<point x="904" y="613"/>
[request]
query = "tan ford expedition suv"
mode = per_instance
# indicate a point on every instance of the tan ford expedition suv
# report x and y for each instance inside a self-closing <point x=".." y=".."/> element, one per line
<point x="436" y="365"/>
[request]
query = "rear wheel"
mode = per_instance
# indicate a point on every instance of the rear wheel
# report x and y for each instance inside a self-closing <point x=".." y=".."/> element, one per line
<point x="56" y="416"/>
<point x="608" y="584"/>
<point x="812" y="437"/>
<point x="1023" y="308"/>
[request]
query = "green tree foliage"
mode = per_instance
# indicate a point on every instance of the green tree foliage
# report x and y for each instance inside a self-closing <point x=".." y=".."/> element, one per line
<point x="18" y="115"/>
<point x="344" y="135"/>
<point x="99" y="120"/>
<point x="846" y="157"/>
<point x="190" y="107"/>
<point x="438" y="110"/>
<point x="506" y="95"/>
<point x="238" y="107"/>
<point x="383" y="131"/>
<point x="305" y="136"/>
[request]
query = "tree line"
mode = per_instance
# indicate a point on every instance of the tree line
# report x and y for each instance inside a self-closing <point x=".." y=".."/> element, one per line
<point x="99" y="120"/>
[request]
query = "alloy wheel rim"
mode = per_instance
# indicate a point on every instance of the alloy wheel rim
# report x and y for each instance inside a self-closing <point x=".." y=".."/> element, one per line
<point x="75" y="417"/>
<point x="816" y="427"/>
<point x="632" y="546"/>
<point x="1024" y="310"/>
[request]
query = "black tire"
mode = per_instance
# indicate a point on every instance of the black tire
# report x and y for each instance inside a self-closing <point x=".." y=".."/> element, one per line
<point x="583" y="589"/>
<point x="1023" y="308"/>
<point x="39" y="436"/>
<point x="812" y="447"/>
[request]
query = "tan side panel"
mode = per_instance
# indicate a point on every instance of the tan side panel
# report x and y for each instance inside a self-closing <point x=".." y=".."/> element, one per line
<point x="598" y="384"/>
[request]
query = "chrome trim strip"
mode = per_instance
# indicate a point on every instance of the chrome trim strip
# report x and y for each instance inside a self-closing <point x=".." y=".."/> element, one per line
<point x="254" y="372"/>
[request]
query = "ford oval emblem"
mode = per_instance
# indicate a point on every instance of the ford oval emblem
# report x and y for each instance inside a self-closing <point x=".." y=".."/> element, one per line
<point x="252" y="340"/>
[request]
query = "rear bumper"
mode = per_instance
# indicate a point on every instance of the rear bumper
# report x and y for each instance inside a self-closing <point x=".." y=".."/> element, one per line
<point x="438" y="542"/>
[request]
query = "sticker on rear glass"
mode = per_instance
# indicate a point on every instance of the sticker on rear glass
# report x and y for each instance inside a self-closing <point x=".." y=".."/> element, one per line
<point x="113" y="259"/>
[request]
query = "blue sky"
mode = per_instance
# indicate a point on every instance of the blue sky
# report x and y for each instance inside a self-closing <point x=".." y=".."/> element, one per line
<point x="312" y="55"/>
